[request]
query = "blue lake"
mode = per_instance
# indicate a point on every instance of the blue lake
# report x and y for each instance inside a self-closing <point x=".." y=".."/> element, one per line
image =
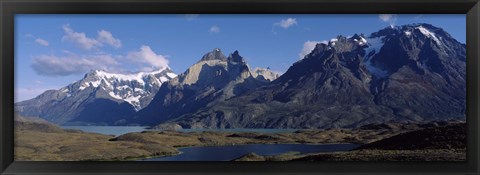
<point x="119" y="130"/>
<point x="222" y="153"/>
<point x="227" y="153"/>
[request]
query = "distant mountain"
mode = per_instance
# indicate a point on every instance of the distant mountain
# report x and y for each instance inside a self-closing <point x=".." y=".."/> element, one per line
<point x="407" y="73"/>
<point x="212" y="79"/>
<point x="264" y="74"/>
<point x="99" y="98"/>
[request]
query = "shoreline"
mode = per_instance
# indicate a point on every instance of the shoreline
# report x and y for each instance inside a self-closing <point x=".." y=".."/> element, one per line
<point x="197" y="146"/>
<point x="47" y="142"/>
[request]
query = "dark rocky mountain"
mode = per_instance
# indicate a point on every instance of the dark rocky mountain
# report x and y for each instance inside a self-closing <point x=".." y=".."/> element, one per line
<point x="213" y="79"/>
<point x="100" y="98"/>
<point x="407" y="73"/>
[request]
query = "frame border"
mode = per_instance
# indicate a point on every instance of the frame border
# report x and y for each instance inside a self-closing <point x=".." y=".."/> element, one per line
<point x="8" y="9"/>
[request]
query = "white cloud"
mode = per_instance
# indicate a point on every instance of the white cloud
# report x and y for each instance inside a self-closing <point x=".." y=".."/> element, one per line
<point x="80" y="39"/>
<point x="385" y="17"/>
<point x="308" y="46"/>
<point x="390" y="18"/>
<point x="191" y="17"/>
<point x="53" y="65"/>
<point x="107" y="37"/>
<point x="42" y="42"/>
<point x="286" y="23"/>
<point x="69" y="63"/>
<point x="214" y="29"/>
<point x="84" y="42"/>
<point x="147" y="55"/>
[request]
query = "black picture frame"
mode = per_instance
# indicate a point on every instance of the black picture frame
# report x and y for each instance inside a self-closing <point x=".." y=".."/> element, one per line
<point x="8" y="9"/>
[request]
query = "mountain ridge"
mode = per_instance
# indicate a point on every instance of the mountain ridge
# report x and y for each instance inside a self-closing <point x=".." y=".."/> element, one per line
<point x="408" y="73"/>
<point x="214" y="78"/>
<point x="405" y="73"/>
<point x="97" y="97"/>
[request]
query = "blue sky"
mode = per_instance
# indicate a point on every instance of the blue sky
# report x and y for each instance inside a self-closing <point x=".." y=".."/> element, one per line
<point x="52" y="51"/>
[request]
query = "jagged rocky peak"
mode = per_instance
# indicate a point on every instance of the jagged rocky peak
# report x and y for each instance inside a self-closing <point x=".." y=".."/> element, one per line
<point x="387" y="50"/>
<point x="342" y="44"/>
<point x="96" y="77"/>
<point x="359" y="39"/>
<point x="414" y="30"/>
<point x="212" y="79"/>
<point x="216" y="54"/>
<point x="352" y="81"/>
<point x="214" y="67"/>
<point x="235" y="57"/>
<point x="422" y="30"/>
<point x="421" y="47"/>
<point x="321" y="47"/>
<point x="136" y="89"/>
<point x="386" y="32"/>
<point x="91" y="73"/>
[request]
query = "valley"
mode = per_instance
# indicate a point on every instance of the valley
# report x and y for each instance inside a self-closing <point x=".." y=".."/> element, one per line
<point x="397" y="94"/>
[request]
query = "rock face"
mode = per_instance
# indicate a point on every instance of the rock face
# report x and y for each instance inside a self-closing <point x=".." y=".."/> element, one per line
<point x="213" y="79"/>
<point x="407" y="73"/>
<point x="99" y="98"/>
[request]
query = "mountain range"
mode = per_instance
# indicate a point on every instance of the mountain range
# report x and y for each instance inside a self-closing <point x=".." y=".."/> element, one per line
<point x="406" y="73"/>
<point x="213" y="79"/>
<point x="100" y="98"/>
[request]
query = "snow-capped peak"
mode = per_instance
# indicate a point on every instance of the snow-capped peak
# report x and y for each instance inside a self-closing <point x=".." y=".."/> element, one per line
<point x="333" y="41"/>
<point x="409" y="30"/>
<point x="134" y="88"/>
<point x="428" y="34"/>
<point x="361" y="41"/>
<point x="264" y="74"/>
<point x="378" y="39"/>
<point x="138" y="77"/>
<point x="408" y="33"/>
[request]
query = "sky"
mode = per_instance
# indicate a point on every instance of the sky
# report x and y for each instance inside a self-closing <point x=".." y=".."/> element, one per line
<point x="52" y="51"/>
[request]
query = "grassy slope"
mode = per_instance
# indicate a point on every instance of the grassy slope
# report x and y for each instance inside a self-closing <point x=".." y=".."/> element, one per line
<point x="42" y="141"/>
<point x="38" y="140"/>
